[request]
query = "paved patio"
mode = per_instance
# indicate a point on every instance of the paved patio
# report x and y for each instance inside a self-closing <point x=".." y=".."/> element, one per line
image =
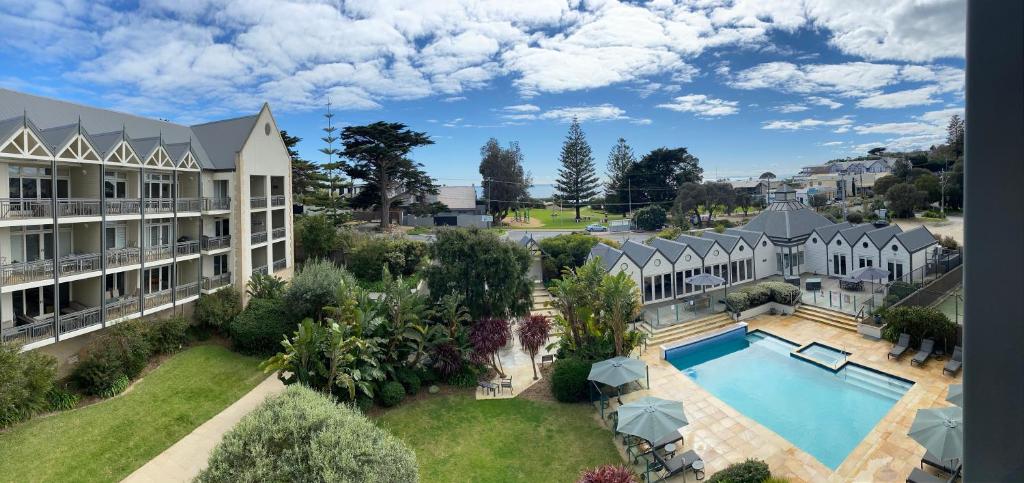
<point x="722" y="435"/>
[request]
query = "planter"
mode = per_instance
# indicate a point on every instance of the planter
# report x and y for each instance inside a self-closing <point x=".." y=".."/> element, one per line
<point x="765" y="308"/>
<point x="870" y="330"/>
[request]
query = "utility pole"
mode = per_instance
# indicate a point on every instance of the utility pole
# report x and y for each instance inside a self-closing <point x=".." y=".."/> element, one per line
<point x="629" y="191"/>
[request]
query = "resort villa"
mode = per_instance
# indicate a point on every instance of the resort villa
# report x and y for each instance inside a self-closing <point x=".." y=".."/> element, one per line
<point x="106" y="217"/>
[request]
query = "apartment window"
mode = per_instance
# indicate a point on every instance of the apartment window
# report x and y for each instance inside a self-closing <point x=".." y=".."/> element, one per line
<point x="221" y="227"/>
<point x="647" y="289"/>
<point x="158" y="234"/>
<point x="36" y="302"/>
<point x="220" y="264"/>
<point x="27" y="182"/>
<point x="158" y="279"/>
<point x="688" y="288"/>
<point x="159" y="185"/>
<point x="220" y="188"/>
<point x="115" y="184"/>
<point x="115" y="286"/>
<point x="117" y="235"/>
<point x="667" y="284"/>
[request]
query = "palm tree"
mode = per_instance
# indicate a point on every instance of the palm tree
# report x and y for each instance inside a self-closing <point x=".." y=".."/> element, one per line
<point x="620" y="305"/>
<point x="533" y="331"/>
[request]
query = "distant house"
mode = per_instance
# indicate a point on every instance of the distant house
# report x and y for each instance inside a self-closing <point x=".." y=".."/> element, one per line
<point x="462" y="209"/>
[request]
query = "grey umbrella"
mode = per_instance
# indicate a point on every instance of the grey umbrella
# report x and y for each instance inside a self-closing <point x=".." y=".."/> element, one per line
<point x="871" y="274"/>
<point x="940" y="431"/>
<point x="705" y="280"/>
<point x="956" y="394"/>
<point x="651" y="418"/>
<point x="617" y="371"/>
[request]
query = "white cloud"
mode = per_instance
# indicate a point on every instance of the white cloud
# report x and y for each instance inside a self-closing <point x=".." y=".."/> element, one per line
<point x="603" y="112"/>
<point x="454" y="99"/>
<point x="824" y="101"/>
<point x="788" y="108"/>
<point x="521" y="108"/>
<point x="893" y="100"/>
<point x="702" y="105"/>
<point x="833" y="143"/>
<point x="920" y="132"/>
<point x="808" y="123"/>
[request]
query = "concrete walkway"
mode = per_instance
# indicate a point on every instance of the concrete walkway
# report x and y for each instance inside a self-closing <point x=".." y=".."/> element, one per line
<point x="185" y="459"/>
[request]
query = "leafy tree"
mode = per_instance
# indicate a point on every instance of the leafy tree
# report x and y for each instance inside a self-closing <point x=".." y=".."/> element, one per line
<point x="316" y="235"/>
<point x="218" y="309"/>
<point x="902" y="199"/>
<point x="487" y="336"/>
<point x="659" y="174"/>
<point x="314" y="287"/>
<point x="306" y="175"/>
<point x="743" y="201"/>
<point x="620" y="161"/>
<point x="955" y="131"/>
<point x="901" y="169"/>
<point x="488" y="272"/>
<point x="378" y="154"/>
<point x="575" y="301"/>
<point x="819" y="201"/>
<point x="883" y="184"/>
<point x="577" y="178"/>
<point x="876" y="151"/>
<point x="505" y="182"/>
<point x="855" y="217"/>
<point x="533" y="332"/>
<point x="768" y="175"/>
<point x="25" y="379"/>
<point x="650" y="218"/>
<point x="928" y="184"/>
<point x="689" y="199"/>
<point x="719" y="194"/>
<point x="620" y="304"/>
<point x="565" y="251"/>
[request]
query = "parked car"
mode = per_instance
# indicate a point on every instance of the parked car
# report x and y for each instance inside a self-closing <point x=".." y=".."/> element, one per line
<point x="596" y="227"/>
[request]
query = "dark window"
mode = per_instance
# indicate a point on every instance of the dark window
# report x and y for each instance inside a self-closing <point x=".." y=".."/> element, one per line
<point x="865" y="244"/>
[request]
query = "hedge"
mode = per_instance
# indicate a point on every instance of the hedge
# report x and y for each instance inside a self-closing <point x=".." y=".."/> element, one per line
<point x="261" y="327"/>
<point x="920" y="323"/>
<point x="749" y="471"/>
<point x="783" y="292"/>
<point x="218" y="309"/>
<point x="569" y="379"/>
<point x="759" y="294"/>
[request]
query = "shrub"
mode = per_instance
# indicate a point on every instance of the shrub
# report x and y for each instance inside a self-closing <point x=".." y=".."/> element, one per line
<point x="854" y="217"/>
<point x="608" y="474"/>
<point x="409" y="380"/>
<point x="738" y="301"/>
<point x="949" y="242"/>
<point x="363" y="403"/>
<point x="783" y="292"/>
<point x="933" y="214"/>
<point x="400" y="256"/>
<point x="569" y="379"/>
<point x="749" y="471"/>
<point x="261" y="327"/>
<point x="301" y="435"/>
<point x="757" y="294"/>
<point x="61" y="399"/>
<point x="650" y="218"/>
<point x="25" y="380"/>
<point x="122" y="351"/>
<point x="392" y="394"/>
<point x="117" y="387"/>
<point x="314" y="287"/>
<point x="167" y="335"/>
<point x="218" y="309"/>
<point x="264" y="286"/>
<point x="900" y="289"/>
<point x="565" y="251"/>
<point x="920" y="323"/>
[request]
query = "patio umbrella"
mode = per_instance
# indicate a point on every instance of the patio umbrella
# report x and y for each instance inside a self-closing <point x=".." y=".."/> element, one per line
<point x="870" y="274"/>
<point x="956" y="394"/>
<point x="940" y="431"/>
<point x="651" y="418"/>
<point x="617" y="371"/>
<point x="707" y="280"/>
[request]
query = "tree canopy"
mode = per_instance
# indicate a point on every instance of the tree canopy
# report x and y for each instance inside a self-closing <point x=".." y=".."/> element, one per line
<point x="620" y="161"/>
<point x="505" y="181"/>
<point x="658" y="175"/>
<point x="577" y="178"/>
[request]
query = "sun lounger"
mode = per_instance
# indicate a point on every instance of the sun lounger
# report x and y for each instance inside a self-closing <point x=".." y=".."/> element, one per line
<point x="920" y="476"/>
<point x="679" y="464"/>
<point x="922" y="355"/>
<point x="933" y="461"/>
<point x="643" y="450"/>
<point x="954" y="363"/>
<point x="900" y="347"/>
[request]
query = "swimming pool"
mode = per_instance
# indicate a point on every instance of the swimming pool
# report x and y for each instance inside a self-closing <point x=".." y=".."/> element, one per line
<point x="826" y="413"/>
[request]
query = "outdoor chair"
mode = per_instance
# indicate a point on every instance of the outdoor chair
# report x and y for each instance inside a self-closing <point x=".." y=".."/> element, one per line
<point x="548" y="358"/>
<point x="924" y="353"/>
<point x="506" y="382"/>
<point x="954" y="362"/>
<point x="900" y="347"/>
<point x="679" y="464"/>
<point x="643" y="449"/>
<point x="920" y="476"/>
<point x="934" y="461"/>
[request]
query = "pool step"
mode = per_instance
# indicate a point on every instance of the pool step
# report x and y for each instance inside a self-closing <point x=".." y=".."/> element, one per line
<point x="689" y="329"/>
<point x="828" y="317"/>
<point x="873" y="382"/>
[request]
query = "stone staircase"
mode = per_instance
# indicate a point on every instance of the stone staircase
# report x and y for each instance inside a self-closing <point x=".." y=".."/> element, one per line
<point x="656" y="337"/>
<point x="833" y="318"/>
<point x="542" y="301"/>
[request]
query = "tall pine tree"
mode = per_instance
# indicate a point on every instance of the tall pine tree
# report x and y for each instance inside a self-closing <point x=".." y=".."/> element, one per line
<point x="620" y="160"/>
<point x="577" y="178"/>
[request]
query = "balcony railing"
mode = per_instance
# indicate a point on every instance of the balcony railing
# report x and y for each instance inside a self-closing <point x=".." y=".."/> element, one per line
<point x="25" y="272"/>
<point x="262" y="269"/>
<point x="36" y="329"/>
<point x="216" y="281"/>
<point x="122" y="307"/>
<point x="280" y="265"/>
<point x="277" y="200"/>
<point x="188" y="205"/>
<point x="119" y="257"/>
<point x="80" y="319"/>
<point x="187" y="290"/>
<point x="160" y="205"/>
<point x="124" y="206"/>
<point x="75" y="264"/>
<point x="22" y="208"/>
<point x="259" y="234"/>
<point x="190" y="247"/>
<point x="258" y="202"/>
<point x="158" y="253"/>
<point x="156" y="299"/>
<point x="277" y="233"/>
<point x="216" y="242"/>
<point x="215" y="204"/>
<point x="78" y="207"/>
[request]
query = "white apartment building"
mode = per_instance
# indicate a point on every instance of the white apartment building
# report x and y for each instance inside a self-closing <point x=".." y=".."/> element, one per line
<point x="107" y="217"/>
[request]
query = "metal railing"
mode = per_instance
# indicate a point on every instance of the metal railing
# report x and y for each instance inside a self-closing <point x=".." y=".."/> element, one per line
<point x="216" y="242"/>
<point x="215" y="204"/>
<point x="278" y="233"/>
<point x="190" y="247"/>
<point x="262" y="269"/>
<point x="122" y="307"/>
<point x="187" y="290"/>
<point x="79" y="320"/>
<point x="259" y="235"/>
<point x="22" y="208"/>
<point x="216" y="281"/>
<point x="75" y="264"/>
<point x="158" y="253"/>
<point x="156" y="299"/>
<point x="277" y="200"/>
<point x="188" y="205"/>
<point x="160" y="205"/>
<point x="280" y="265"/>
<point x="41" y="328"/>
<point x="131" y="206"/>
<point x="119" y="257"/>
<point x="78" y="207"/>
<point x="24" y="272"/>
<point x="258" y="202"/>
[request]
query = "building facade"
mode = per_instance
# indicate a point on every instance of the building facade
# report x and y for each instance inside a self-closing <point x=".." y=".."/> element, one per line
<point x="107" y="217"/>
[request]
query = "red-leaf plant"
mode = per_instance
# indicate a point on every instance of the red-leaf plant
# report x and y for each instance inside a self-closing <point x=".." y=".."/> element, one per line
<point x="487" y="336"/>
<point x="533" y="332"/>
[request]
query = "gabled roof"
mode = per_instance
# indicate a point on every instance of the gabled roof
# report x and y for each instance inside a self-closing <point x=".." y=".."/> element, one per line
<point x="9" y="126"/>
<point x="727" y="241"/>
<point x="670" y="249"/>
<point x="457" y="197"/>
<point x="607" y="255"/>
<point x="176" y="150"/>
<point x="698" y="244"/>
<point x="879" y="236"/>
<point x="144" y="147"/>
<point x="828" y="232"/>
<point x="106" y="141"/>
<point x="751" y="237"/>
<point x="56" y="137"/>
<point x="223" y="139"/>
<point x="638" y="252"/>
<point x="786" y="220"/>
<point x="917" y="239"/>
<point x="853" y="233"/>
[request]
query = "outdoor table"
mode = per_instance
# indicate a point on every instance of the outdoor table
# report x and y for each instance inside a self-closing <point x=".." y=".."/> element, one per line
<point x="813" y="284"/>
<point x="851" y="284"/>
<point x="698" y="469"/>
<point x="670" y="450"/>
<point x="792" y="280"/>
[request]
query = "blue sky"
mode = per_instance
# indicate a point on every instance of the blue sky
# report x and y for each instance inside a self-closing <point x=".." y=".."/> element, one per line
<point x="747" y="86"/>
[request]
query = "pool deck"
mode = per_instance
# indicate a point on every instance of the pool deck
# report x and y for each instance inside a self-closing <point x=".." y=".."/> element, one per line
<point x="722" y="435"/>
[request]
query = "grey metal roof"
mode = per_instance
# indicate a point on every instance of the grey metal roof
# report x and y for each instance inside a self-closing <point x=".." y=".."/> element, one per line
<point x="671" y="249"/>
<point x="751" y="237"/>
<point x="456" y="197"/>
<point x="917" y="239"/>
<point x="607" y="255"/>
<point x="638" y="252"/>
<point x="727" y="241"/>
<point x="853" y="233"/>
<point x="828" y="232"/>
<point x="698" y="244"/>
<point x="144" y="147"/>
<point x="176" y="151"/>
<point x="881" y="235"/>
<point x="105" y="142"/>
<point x="786" y="221"/>
<point x="55" y="137"/>
<point x="223" y="139"/>
<point x="9" y="126"/>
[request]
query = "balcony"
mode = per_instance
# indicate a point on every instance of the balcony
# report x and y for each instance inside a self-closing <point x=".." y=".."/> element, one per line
<point x="211" y="243"/>
<point x="31" y="330"/>
<point x="124" y="206"/>
<point x="280" y="265"/>
<point x="77" y="316"/>
<point x="187" y="290"/>
<point x="185" y="248"/>
<point x="25" y="208"/>
<point x="278" y="233"/>
<point x="70" y="208"/>
<point x="188" y="205"/>
<point x="80" y="263"/>
<point x="121" y="307"/>
<point x="217" y="281"/>
<point x="259" y="234"/>
<point x="158" y="253"/>
<point x="120" y="257"/>
<point x="257" y="202"/>
<point x="216" y="204"/>
<point x="156" y="299"/>
<point x="160" y="205"/>
<point x="25" y="272"/>
<point x="277" y="200"/>
<point x="262" y="269"/>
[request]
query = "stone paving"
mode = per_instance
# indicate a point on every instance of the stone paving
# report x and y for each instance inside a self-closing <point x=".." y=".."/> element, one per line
<point x="722" y="435"/>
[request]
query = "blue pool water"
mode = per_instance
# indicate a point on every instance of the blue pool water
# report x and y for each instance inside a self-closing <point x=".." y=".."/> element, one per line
<point x="822" y="412"/>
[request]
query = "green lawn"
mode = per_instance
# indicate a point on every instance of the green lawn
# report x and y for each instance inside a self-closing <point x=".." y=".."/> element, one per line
<point x="458" y="438"/>
<point x="565" y="219"/>
<point x="110" y="439"/>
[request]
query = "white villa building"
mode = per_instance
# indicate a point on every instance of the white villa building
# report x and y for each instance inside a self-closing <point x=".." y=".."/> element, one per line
<point x="785" y="239"/>
<point x="106" y="217"/>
